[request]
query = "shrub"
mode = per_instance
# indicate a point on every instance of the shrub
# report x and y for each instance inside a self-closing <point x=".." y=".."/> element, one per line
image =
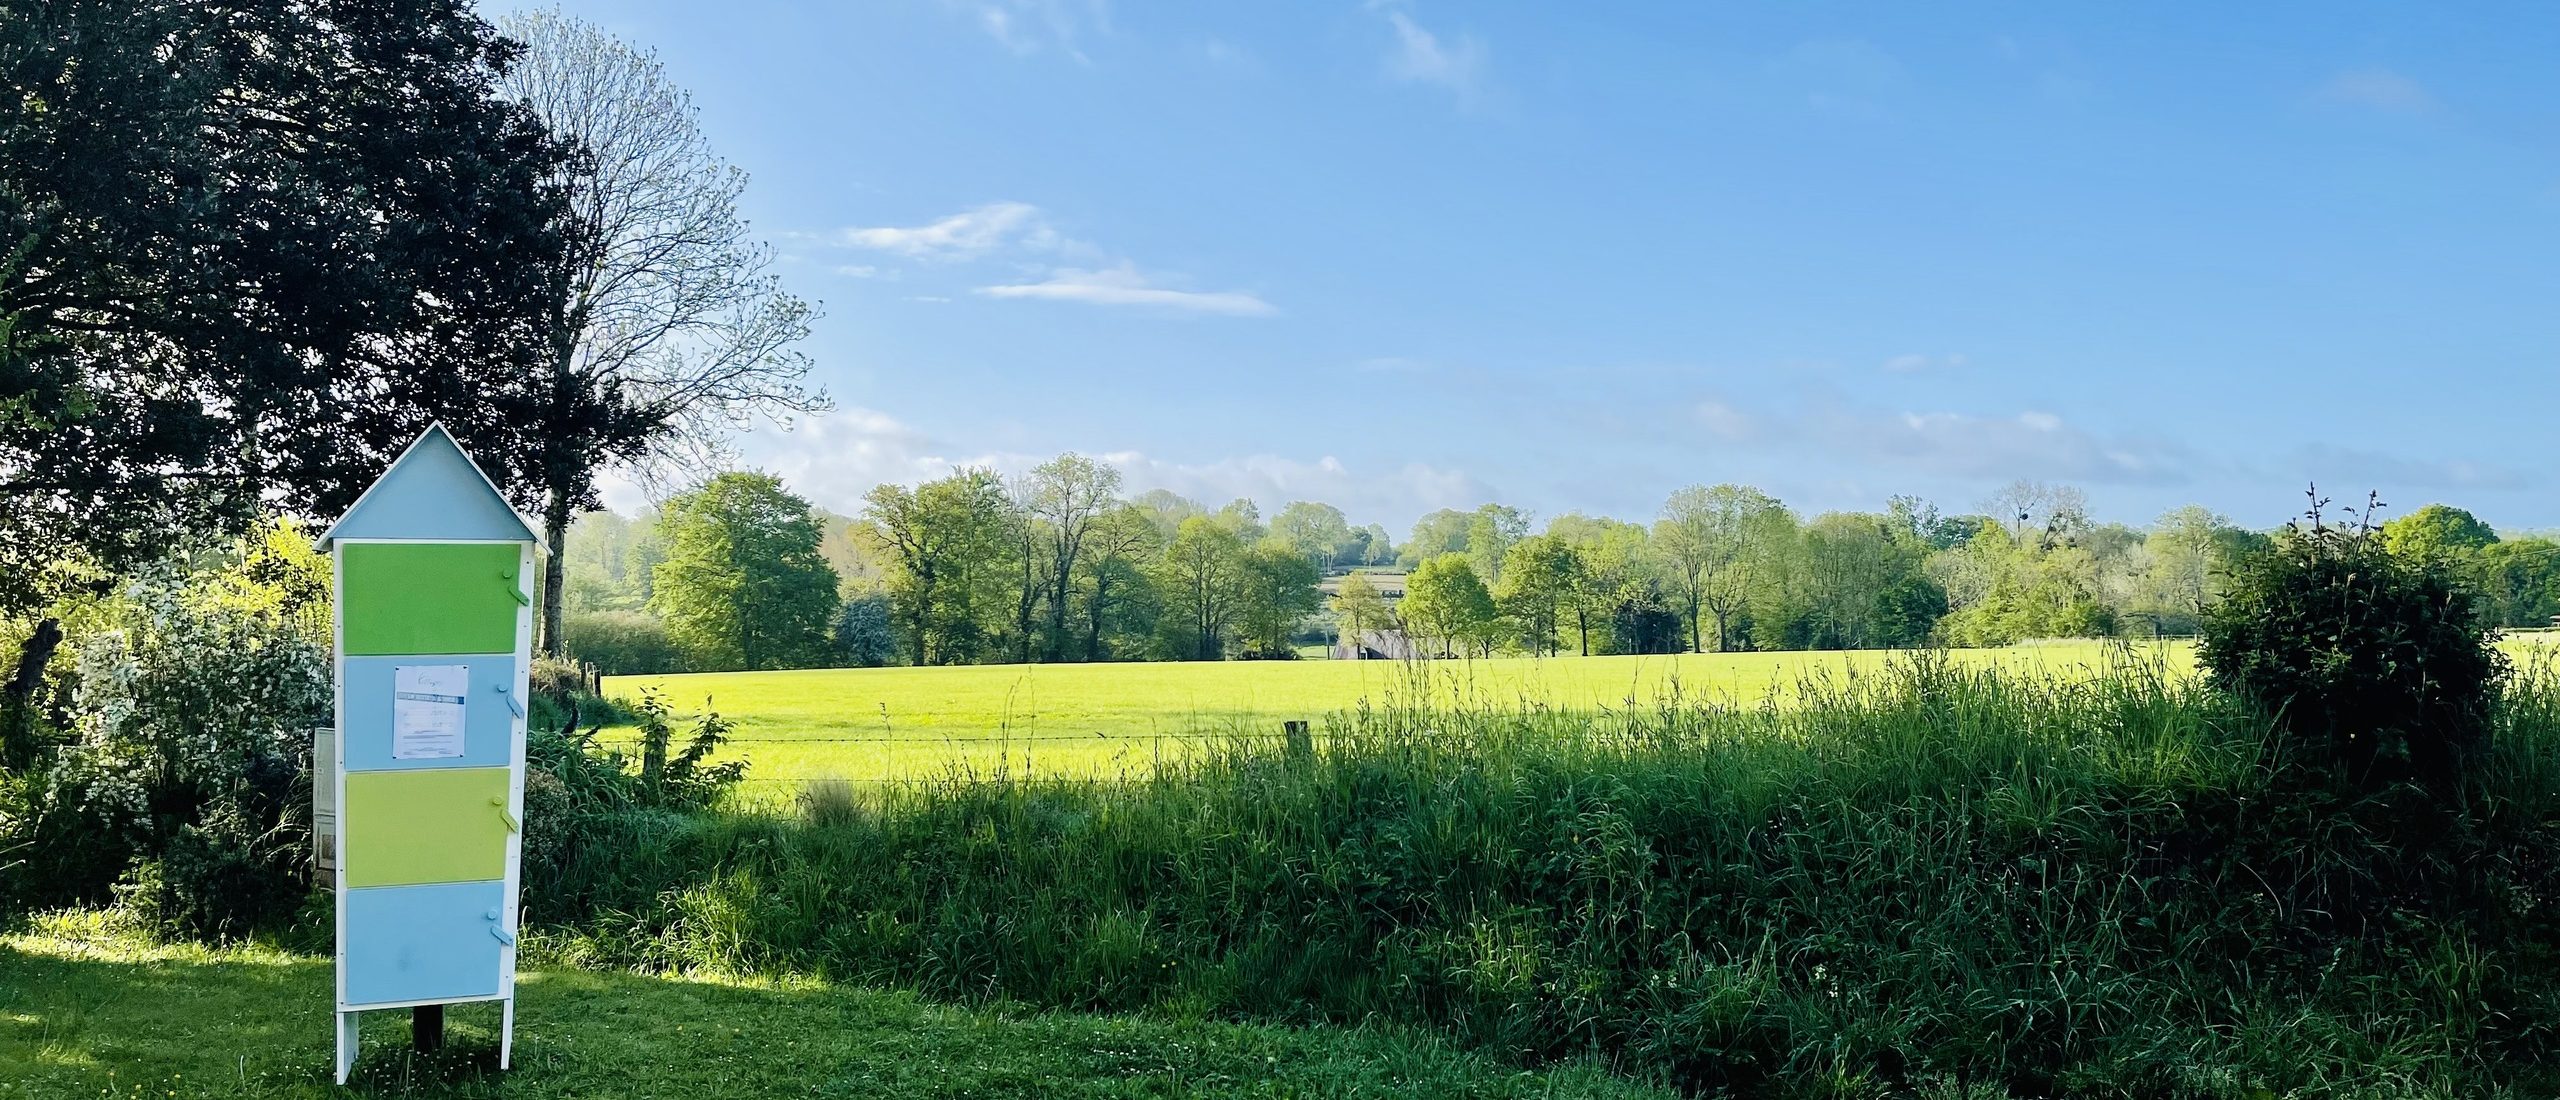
<point x="188" y="774"/>
<point x="622" y="643"/>
<point x="862" y="635"/>
<point x="830" y="800"/>
<point x="2375" y="664"/>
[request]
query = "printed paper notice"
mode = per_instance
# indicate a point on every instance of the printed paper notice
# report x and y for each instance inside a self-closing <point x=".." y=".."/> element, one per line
<point x="426" y="711"/>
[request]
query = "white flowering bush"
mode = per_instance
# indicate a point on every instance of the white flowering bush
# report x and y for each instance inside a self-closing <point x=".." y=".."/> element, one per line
<point x="186" y="780"/>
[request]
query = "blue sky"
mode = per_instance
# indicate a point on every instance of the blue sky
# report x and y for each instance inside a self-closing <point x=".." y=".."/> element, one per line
<point x="1405" y="255"/>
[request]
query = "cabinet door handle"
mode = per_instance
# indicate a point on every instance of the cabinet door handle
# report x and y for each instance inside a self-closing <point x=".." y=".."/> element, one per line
<point x="515" y="588"/>
<point x="502" y="935"/>
<point x="513" y="825"/>
<point x="513" y="707"/>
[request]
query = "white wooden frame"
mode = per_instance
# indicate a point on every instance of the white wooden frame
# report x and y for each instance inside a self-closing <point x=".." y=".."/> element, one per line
<point x="511" y="900"/>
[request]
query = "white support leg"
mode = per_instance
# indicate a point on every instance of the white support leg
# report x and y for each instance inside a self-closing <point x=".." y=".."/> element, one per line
<point x="346" y="1045"/>
<point x="506" y="1031"/>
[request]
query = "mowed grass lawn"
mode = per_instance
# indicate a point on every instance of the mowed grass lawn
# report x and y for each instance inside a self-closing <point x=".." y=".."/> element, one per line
<point x="1099" y="719"/>
<point x="90" y="1011"/>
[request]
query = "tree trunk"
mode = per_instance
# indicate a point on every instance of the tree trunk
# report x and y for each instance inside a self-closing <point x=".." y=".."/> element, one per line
<point x="555" y="569"/>
<point x="18" y="696"/>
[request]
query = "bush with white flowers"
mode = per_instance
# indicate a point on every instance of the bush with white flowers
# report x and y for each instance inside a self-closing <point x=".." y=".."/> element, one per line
<point x="186" y="779"/>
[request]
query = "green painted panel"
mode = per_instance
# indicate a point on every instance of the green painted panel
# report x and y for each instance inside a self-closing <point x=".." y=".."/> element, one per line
<point x="409" y="828"/>
<point x="430" y="598"/>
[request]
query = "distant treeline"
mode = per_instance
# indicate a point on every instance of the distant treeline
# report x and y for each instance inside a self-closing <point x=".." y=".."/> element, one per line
<point x="1058" y="565"/>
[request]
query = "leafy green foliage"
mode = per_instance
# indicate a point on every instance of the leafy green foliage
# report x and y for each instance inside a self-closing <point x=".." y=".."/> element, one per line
<point x="1447" y="607"/>
<point x="2040" y="887"/>
<point x="187" y="773"/>
<point x="623" y="643"/>
<point x="2436" y="532"/>
<point x="1201" y="575"/>
<point x="1275" y="591"/>
<point x="234" y="274"/>
<point x="742" y="585"/>
<point x="2374" y="661"/>
<point x="862" y="635"/>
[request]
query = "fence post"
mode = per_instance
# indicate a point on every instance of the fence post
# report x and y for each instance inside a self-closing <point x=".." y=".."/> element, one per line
<point x="1302" y="744"/>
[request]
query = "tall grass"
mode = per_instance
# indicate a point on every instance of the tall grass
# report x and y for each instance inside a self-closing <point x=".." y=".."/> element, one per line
<point x="1924" y="877"/>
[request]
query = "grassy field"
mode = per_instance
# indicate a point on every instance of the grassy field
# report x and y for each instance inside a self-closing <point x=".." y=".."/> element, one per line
<point x="897" y="723"/>
<point x="89" y="1011"/>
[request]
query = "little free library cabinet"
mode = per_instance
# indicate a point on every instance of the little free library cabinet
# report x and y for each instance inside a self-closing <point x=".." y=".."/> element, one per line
<point x="434" y="630"/>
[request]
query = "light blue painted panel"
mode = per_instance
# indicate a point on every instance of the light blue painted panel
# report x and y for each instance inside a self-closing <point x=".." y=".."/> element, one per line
<point x="432" y="493"/>
<point x="488" y="724"/>
<point x="423" y="943"/>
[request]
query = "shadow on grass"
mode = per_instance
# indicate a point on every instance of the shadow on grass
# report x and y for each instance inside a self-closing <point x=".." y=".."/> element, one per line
<point x="85" y="1015"/>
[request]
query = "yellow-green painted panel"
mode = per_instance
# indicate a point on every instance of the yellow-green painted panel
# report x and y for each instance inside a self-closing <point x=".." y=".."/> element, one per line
<point x="408" y="597"/>
<point x="409" y="828"/>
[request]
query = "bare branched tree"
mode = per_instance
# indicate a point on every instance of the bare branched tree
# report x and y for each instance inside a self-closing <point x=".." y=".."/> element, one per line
<point x="674" y="332"/>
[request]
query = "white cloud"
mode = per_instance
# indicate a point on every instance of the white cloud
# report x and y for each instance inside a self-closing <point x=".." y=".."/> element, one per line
<point x="1028" y="27"/>
<point x="1018" y="231"/>
<point x="2041" y="421"/>
<point x="836" y="458"/>
<point x="965" y="235"/>
<point x="1422" y="57"/>
<point x="1394" y="497"/>
<point x="2378" y="89"/>
<point x="2031" y="444"/>
<point x="1725" y="422"/>
<point x="1124" y="286"/>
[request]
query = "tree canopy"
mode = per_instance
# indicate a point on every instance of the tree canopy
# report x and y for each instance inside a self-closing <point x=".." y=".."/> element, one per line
<point x="743" y="586"/>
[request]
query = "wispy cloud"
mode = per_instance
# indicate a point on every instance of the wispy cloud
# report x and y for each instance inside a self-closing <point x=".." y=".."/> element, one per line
<point x="837" y="457"/>
<point x="2031" y="443"/>
<point x="1028" y="27"/>
<point x="1727" y="423"/>
<point x="1424" y="57"/>
<point x="1125" y="286"/>
<point x="1059" y="268"/>
<point x="965" y="235"/>
<point x="2329" y="463"/>
<point x="2380" y="90"/>
<point x="1847" y="77"/>
<point x="2028" y="443"/>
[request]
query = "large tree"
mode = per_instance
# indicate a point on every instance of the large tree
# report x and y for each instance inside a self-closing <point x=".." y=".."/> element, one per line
<point x="1318" y="531"/>
<point x="1720" y="543"/>
<point x="943" y="540"/>
<point x="2437" y="532"/>
<point x="743" y="586"/>
<point x="671" y="329"/>
<point x="1117" y="588"/>
<point x="1362" y="611"/>
<point x="1447" y="607"/>
<point x="1067" y="495"/>
<point x="1540" y="575"/>
<point x="247" y="250"/>
<point x="1275" y="591"/>
<point x="1201" y="575"/>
